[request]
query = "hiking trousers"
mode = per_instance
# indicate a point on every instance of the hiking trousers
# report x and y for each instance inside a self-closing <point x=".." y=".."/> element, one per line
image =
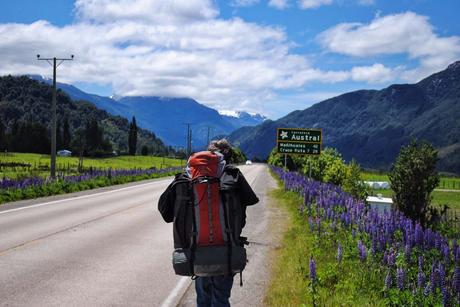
<point x="213" y="291"/>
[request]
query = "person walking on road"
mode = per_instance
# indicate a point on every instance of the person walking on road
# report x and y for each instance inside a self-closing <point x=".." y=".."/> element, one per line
<point x="207" y="204"/>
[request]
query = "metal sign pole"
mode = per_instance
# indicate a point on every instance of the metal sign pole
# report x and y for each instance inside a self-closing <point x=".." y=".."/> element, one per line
<point x="285" y="161"/>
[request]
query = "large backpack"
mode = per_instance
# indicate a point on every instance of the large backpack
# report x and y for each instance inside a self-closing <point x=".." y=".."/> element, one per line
<point x="215" y="247"/>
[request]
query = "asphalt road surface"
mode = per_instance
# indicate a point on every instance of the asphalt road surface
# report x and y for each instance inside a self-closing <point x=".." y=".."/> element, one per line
<point x="106" y="248"/>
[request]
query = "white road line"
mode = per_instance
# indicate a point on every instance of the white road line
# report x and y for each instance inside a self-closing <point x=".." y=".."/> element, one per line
<point x="178" y="289"/>
<point x="78" y="197"/>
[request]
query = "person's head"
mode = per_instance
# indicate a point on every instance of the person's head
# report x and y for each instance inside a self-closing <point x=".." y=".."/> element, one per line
<point x="222" y="146"/>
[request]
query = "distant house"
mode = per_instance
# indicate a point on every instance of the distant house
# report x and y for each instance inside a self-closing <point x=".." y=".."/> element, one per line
<point x="64" y="153"/>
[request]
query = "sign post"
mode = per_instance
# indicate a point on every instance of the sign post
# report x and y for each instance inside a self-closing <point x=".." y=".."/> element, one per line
<point x="299" y="142"/>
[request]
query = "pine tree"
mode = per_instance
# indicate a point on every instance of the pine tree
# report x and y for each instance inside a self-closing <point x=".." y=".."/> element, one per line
<point x="132" y="137"/>
<point x="59" y="136"/>
<point x="66" y="136"/>
<point x="3" y="144"/>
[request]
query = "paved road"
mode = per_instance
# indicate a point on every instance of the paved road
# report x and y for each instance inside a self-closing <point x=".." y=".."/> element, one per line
<point x="105" y="249"/>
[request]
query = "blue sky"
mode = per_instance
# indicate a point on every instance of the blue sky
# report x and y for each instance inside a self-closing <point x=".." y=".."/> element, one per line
<point x="264" y="56"/>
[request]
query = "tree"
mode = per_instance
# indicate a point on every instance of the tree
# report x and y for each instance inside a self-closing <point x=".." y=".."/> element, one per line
<point x="413" y="177"/>
<point x="132" y="137"/>
<point x="327" y="167"/>
<point x="66" y="136"/>
<point x="59" y="136"/>
<point x="3" y="143"/>
<point x="353" y="182"/>
<point x="78" y="144"/>
<point x="145" y="150"/>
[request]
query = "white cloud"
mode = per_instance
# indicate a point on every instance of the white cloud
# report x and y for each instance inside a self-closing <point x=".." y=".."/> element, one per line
<point x="376" y="73"/>
<point x="180" y="51"/>
<point x="279" y="4"/>
<point x="243" y="3"/>
<point x="406" y="33"/>
<point x="152" y="11"/>
<point x="310" y="4"/>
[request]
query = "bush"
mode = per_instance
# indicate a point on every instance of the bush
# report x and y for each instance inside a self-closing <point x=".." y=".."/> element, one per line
<point x="353" y="183"/>
<point x="413" y="177"/>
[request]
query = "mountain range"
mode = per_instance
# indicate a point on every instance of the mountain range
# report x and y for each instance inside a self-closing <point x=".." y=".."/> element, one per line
<point x="370" y="126"/>
<point x="167" y="117"/>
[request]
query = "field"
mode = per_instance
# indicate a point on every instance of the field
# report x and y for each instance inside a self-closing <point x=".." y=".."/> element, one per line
<point x="440" y="198"/>
<point x="38" y="165"/>
<point x="446" y="182"/>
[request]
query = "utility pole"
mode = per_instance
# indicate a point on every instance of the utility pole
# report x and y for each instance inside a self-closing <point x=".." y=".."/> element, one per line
<point x="188" y="142"/>
<point x="53" y="109"/>
<point x="209" y="134"/>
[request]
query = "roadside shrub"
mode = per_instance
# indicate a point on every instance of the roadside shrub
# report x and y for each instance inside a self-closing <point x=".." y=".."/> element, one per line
<point x="413" y="177"/>
<point x="328" y="167"/>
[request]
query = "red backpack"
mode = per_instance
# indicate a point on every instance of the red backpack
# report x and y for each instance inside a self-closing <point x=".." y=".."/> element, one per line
<point x="214" y="250"/>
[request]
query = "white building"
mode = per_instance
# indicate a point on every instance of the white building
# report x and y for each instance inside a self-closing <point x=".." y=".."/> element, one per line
<point x="379" y="202"/>
<point x="64" y="153"/>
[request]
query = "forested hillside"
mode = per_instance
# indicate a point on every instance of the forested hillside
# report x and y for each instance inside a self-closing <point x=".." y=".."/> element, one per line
<point x="25" y="120"/>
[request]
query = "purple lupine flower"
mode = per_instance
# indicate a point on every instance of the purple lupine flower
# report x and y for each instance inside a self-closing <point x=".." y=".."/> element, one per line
<point x="313" y="276"/>
<point x="339" y="253"/>
<point x="446" y="253"/>
<point x="400" y="276"/>
<point x="442" y="277"/>
<point x="391" y="257"/>
<point x="420" y="263"/>
<point x="318" y="224"/>
<point x="388" y="280"/>
<point x="456" y="281"/>
<point x="427" y="289"/>
<point x="407" y="252"/>
<point x="454" y="248"/>
<point x="434" y="277"/>
<point x="385" y="258"/>
<point x="420" y="280"/>
<point x="353" y="233"/>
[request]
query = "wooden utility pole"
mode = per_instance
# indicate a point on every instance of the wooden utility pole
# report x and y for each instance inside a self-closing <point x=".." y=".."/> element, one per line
<point x="53" y="110"/>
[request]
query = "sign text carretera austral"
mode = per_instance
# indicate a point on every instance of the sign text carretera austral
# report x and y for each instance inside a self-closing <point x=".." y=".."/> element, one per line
<point x="299" y="141"/>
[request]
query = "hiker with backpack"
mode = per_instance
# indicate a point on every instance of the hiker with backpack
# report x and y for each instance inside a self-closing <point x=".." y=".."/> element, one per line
<point x="207" y="205"/>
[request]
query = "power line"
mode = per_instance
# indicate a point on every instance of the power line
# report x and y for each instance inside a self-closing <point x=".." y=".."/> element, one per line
<point x="53" y="109"/>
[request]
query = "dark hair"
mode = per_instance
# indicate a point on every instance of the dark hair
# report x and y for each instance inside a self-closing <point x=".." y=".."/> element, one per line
<point x="222" y="146"/>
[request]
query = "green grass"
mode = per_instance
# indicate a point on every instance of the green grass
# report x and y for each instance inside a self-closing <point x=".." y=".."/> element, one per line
<point x="40" y="163"/>
<point x="448" y="183"/>
<point x="351" y="283"/>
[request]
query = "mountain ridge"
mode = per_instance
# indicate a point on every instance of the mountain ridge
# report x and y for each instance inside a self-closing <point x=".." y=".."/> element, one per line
<point x="371" y="125"/>
<point x="167" y="116"/>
